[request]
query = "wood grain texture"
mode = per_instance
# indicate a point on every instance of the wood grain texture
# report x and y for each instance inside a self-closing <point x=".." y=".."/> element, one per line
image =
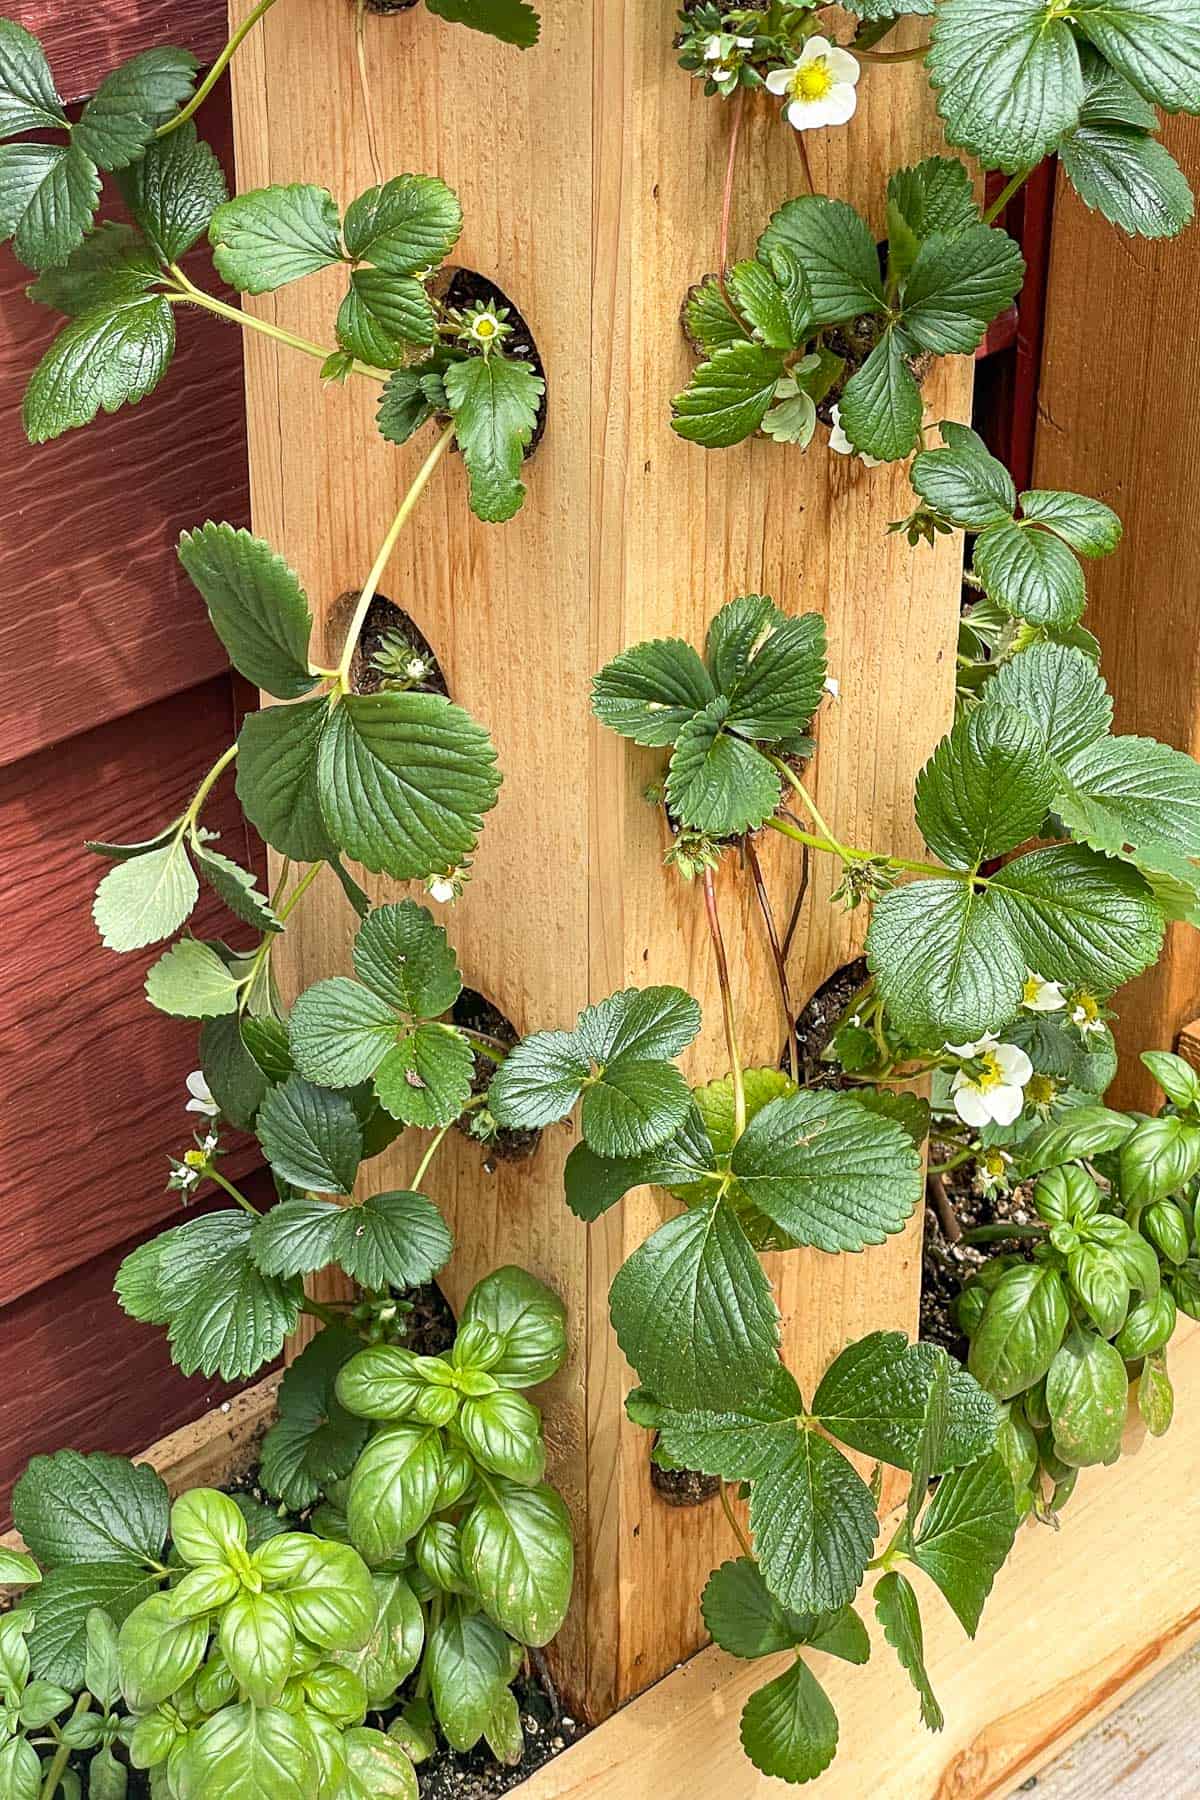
<point x="80" y="55"/>
<point x="1119" y="418"/>
<point x="90" y="1376"/>
<point x="92" y="520"/>
<point x="1077" y="1620"/>
<point x="591" y="188"/>
<point x="91" y="1076"/>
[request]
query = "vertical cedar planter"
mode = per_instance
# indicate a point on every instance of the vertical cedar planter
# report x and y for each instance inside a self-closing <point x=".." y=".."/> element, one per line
<point x="591" y="174"/>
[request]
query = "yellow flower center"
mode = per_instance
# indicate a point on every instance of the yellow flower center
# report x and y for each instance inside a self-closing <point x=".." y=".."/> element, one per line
<point x="1031" y="990"/>
<point x="991" y="1075"/>
<point x="812" y="80"/>
<point x="485" y="327"/>
<point x="195" y="1159"/>
<point x="1088" y="1007"/>
<point x="993" y="1164"/>
<point x="1040" y="1090"/>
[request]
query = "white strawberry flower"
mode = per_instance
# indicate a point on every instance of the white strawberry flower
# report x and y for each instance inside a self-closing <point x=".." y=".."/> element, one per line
<point x="839" y="442"/>
<point x="201" y="1099"/>
<point x="990" y="1088"/>
<point x="1086" y="1014"/>
<point x="821" y="88"/>
<point x="441" y="889"/>
<point x="414" y="668"/>
<point x="832" y="686"/>
<point x="1041" y="996"/>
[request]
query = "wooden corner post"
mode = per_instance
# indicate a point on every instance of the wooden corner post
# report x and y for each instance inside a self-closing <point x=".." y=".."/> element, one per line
<point x="591" y="172"/>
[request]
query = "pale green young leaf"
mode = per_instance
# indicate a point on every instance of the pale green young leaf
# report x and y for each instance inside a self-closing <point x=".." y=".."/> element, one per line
<point x="836" y="250"/>
<point x="146" y="897"/>
<point x="966" y="1534"/>
<point x="813" y="1523"/>
<point x="728" y="396"/>
<point x="157" y="1652"/>
<point x="527" y="1317"/>
<point x="245" y="1752"/>
<point x="717" y="782"/>
<point x="404" y="781"/>
<point x="518" y="1555"/>
<point x="986" y="788"/>
<point x="693" y="1312"/>
<point x="1008" y="78"/>
<point x="263" y="239"/>
<point x="512" y="21"/>
<point x="876" y="1397"/>
<point x="958" y="284"/>
<point x="789" y="1729"/>
<point x="225" y="1317"/>
<point x="110" y="357"/>
<point x="964" y="483"/>
<point x="258" y="1640"/>
<point x="18" y="1569"/>
<point x="48" y="194"/>
<point x="257" y="606"/>
<point x="278" y="750"/>
<point x="425" y="1079"/>
<point x="29" y="100"/>
<point x="899" y="1615"/>
<point x="1060" y="691"/>
<point x="828" y="1172"/>
<point x="494" y="403"/>
<point x="651" y="692"/>
<point x="111" y="266"/>
<point x="408" y="225"/>
<point x="314" y="1440"/>
<point x="792" y="420"/>
<point x="119" y="120"/>
<point x="1159" y="1158"/>
<point x="881" y="403"/>
<point x="190" y="981"/>
<point x="310" y="1136"/>
<point x="173" y="191"/>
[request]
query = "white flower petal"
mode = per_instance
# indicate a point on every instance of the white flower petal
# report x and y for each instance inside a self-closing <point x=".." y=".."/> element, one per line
<point x="1004" y="1104"/>
<point x="814" y="48"/>
<point x="969" y="1105"/>
<point x="1013" y="1063"/>
<point x="839" y="104"/>
<point x="779" y="81"/>
<point x="842" y="66"/>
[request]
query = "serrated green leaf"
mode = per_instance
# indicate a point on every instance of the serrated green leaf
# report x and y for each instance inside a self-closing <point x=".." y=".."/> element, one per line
<point x="173" y="191"/>
<point x="236" y="886"/>
<point x="234" y="1079"/>
<point x="225" y="1316"/>
<point x="278" y="750"/>
<point x="836" y="250"/>
<point x="102" y="361"/>
<point x="1136" y="799"/>
<point x="1060" y="691"/>
<point x="1031" y="573"/>
<point x="827" y="1172"/>
<point x="263" y="239"/>
<point x="119" y="120"/>
<point x="29" y="100"/>
<point x="403" y="955"/>
<point x="405" y="227"/>
<point x="876" y="1396"/>
<point x="403" y="406"/>
<point x="707" y="319"/>
<point x="426" y="1078"/>
<point x="310" y="1136"/>
<point x="512" y="21"/>
<point x="964" y="483"/>
<point x="340" y="1032"/>
<point x="595" y="1183"/>
<point x="74" y="1508"/>
<point x="899" y="1615"/>
<point x="650" y="692"/>
<point x="1020" y="1331"/>
<point x="936" y="195"/>
<point x="1008" y="78"/>
<point x="48" y="194"/>
<point x="146" y="897"/>
<point x="1155" y="44"/>
<point x="383" y="315"/>
<point x="518" y="1556"/>
<point x="738" y="1442"/>
<point x="66" y="1598"/>
<point x="717" y="783"/>
<point x="1087" y="525"/>
<point x="777" y="317"/>
<point x="727" y="396"/>
<point x="946" y="973"/>
<point x="881" y="403"/>
<point x="966" y="1534"/>
<point x="813" y="1524"/>
<point x="631" y="1106"/>
<point x="494" y="403"/>
<point x="111" y="266"/>
<point x="743" y="1616"/>
<point x="257" y="606"/>
<point x="789" y="1728"/>
<point x="986" y="788"/>
<point x="782" y="685"/>
<point x="404" y="781"/>
<point x="190" y="981"/>
<point x="1091" y="921"/>
<point x="958" y="284"/>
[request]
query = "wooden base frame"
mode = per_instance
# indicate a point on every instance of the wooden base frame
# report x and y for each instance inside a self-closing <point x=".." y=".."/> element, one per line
<point x="1077" y="1621"/>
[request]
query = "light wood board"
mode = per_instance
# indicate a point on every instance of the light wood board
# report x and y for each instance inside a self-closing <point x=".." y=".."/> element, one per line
<point x="590" y="171"/>
<point x="1119" y="418"/>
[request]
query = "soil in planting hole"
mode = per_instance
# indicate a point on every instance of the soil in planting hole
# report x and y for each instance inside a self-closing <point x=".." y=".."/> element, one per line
<point x="476" y="1775"/>
<point x="684" y="1487"/>
<point x="473" y="1011"/>
<point x="947" y="1266"/>
<point x="462" y="288"/>
<point x="819" y="1019"/>
<point x="384" y="618"/>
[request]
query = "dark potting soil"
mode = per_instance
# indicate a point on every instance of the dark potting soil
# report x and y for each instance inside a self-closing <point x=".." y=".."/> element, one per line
<point x="384" y="616"/>
<point x="946" y="1266"/>
<point x="820" y="1018"/>
<point x="476" y="1775"/>
<point x="473" y="1011"/>
<point x="684" y="1487"/>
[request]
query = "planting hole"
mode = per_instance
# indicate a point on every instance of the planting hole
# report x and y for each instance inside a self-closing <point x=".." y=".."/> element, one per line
<point x="473" y="1011"/>
<point x="817" y="1021"/>
<point x="461" y="288"/>
<point x="390" y="641"/>
<point x="683" y="1487"/>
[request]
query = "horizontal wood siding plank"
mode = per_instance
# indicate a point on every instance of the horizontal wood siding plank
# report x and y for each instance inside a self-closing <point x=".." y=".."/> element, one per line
<point x="91" y="1076"/>
<point x="90" y="1376"/>
<point x="98" y="617"/>
<point x="84" y="46"/>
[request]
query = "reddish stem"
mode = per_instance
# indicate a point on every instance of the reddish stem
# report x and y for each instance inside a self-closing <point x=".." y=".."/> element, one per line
<point x="764" y="901"/>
